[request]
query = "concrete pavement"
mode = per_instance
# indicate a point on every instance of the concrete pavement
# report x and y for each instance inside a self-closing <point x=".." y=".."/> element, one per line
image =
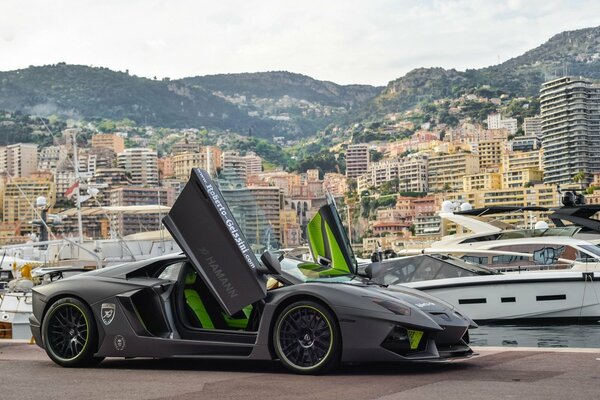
<point x="497" y="373"/>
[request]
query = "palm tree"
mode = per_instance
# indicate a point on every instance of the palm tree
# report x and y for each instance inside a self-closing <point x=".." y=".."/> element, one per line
<point x="579" y="177"/>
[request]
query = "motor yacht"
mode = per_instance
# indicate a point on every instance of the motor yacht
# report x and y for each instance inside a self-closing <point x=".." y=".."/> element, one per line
<point x="486" y="295"/>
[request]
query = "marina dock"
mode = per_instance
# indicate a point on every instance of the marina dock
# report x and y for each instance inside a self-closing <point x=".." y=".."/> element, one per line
<point x="496" y="373"/>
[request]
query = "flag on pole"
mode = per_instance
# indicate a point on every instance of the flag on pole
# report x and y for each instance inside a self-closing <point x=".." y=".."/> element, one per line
<point x="71" y="190"/>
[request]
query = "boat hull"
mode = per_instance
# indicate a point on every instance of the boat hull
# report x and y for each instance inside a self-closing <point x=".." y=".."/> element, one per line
<point x="15" y="310"/>
<point x="523" y="297"/>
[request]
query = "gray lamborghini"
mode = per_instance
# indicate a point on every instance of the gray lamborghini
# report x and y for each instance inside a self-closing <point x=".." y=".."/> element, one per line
<point x="218" y="300"/>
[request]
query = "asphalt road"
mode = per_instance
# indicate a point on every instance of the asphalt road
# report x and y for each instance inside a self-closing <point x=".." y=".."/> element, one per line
<point x="26" y="373"/>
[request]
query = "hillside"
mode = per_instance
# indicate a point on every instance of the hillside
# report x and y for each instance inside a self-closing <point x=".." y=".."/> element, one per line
<point x="283" y="104"/>
<point x="277" y="84"/>
<point x="574" y="53"/>
<point x="277" y="103"/>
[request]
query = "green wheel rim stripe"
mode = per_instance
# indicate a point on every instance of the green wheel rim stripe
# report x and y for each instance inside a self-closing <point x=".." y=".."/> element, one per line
<point x="278" y="338"/>
<point x="87" y="335"/>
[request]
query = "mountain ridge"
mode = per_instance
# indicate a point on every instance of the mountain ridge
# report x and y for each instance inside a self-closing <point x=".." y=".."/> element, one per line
<point x="281" y="103"/>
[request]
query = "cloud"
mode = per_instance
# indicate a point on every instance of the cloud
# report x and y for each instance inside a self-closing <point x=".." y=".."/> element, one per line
<point x="343" y="41"/>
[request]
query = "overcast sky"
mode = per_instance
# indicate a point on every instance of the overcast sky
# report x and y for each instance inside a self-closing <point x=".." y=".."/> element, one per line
<point x="344" y="41"/>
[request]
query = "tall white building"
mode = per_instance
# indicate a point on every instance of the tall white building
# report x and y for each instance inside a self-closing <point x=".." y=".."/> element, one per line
<point x="141" y="164"/>
<point x="570" y="112"/>
<point x="357" y="160"/>
<point x="19" y="159"/>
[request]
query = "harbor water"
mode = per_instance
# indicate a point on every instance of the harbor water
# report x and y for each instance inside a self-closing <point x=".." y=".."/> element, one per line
<point x="582" y="336"/>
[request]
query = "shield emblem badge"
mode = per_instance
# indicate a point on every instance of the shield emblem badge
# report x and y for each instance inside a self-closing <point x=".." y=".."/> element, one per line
<point x="107" y="313"/>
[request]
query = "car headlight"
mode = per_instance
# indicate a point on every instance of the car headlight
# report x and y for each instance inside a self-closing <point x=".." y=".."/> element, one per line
<point x="396" y="308"/>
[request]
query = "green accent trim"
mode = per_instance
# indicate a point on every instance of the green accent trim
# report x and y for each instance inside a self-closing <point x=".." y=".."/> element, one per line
<point x="338" y="261"/>
<point x="315" y="237"/>
<point x="322" y="242"/>
<point x="239" y="323"/>
<point x="87" y="331"/>
<point x="278" y="339"/>
<point x="414" y="338"/>
<point x="192" y="298"/>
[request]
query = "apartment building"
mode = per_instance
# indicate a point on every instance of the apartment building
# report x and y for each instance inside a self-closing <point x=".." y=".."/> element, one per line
<point x="524" y="143"/>
<point x="532" y="126"/>
<point x="515" y="160"/>
<point x="19" y="159"/>
<point x="521" y="178"/>
<point x="357" y="160"/>
<point x="129" y="223"/>
<point x="18" y="202"/>
<point x="446" y="171"/>
<point x="50" y="157"/>
<point x="110" y="141"/>
<point x="142" y="165"/>
<point x="489" y="152"/>
<point x="482" y="181"/>
<point x="570" y="113"/>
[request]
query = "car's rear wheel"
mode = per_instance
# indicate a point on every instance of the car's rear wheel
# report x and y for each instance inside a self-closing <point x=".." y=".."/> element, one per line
<point x="306" y="338"/>
<point x="69" y="333"/>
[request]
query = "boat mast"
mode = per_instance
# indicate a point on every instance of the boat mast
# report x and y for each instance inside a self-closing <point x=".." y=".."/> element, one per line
<point x="77" y="188"/>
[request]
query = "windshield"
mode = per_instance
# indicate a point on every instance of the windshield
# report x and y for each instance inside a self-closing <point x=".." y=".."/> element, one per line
<point x="592" y="250"/>
<point x="425" y="268"/>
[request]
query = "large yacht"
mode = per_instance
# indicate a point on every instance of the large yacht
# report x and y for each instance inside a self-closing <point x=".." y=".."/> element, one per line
<point x="487" y="295"/>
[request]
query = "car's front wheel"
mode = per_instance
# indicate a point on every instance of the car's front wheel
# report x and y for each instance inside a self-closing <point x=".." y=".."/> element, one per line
<point x="69" y="333"/>
<point x="306" y="338"/>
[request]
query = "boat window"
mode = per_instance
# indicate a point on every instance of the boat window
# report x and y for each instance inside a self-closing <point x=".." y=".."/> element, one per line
<point x="485" y="238"/>
<point x="506" y="259"/>
<point x="475" y="259"/>
<point x="591" y="252"/>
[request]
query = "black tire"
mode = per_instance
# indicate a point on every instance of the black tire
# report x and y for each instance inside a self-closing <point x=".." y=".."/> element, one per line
<point x="69" y="333"/>
<point x="306" y="338"/>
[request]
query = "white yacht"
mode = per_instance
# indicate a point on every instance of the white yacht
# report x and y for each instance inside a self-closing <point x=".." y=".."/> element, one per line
<point x="486" y="295"/>
<point x="548" y="273"/>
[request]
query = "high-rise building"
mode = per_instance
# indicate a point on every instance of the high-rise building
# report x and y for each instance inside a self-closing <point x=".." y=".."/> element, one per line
<point x="109" y="141"/>
<point x="533" y="126"/>
<point x="257" y="210"/>
<point x="142" y="164"/>
<point x="570" y="112"/>
<point x="233" y="168"/>
<point x="357" y="160"/>
<point x="19" y="159"/>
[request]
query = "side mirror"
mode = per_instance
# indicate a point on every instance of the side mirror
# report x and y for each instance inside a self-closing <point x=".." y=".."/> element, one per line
<point x="373" y="270"/>
<point x="270" y="264"/>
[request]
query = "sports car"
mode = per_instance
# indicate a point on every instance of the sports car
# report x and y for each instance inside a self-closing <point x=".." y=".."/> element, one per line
<point x="218" y="300"/>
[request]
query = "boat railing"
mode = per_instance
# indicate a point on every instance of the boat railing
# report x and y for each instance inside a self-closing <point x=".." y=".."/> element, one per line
<point x="531" y="267"/>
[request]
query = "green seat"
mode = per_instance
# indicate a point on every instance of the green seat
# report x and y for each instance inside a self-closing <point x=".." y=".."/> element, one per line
<point x="201" y="312"/>
<point x="194" y="302"/>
